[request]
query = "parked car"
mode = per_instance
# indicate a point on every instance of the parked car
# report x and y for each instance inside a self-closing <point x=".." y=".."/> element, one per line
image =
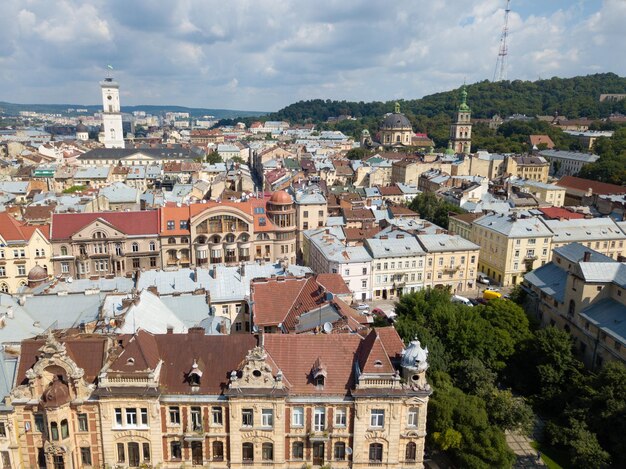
<point x="462" y="300"/>
<point x="362" y="306"/>
<point x="491" y="295"/>
<point x="482" y="278"/>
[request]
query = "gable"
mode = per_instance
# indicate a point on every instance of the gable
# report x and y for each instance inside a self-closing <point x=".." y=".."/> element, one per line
<point x="97" y="225"/>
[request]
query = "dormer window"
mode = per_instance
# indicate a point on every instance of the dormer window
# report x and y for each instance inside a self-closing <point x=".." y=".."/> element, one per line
<point x="318" y="374"/>
<point x="378" y="363"/>
<point x="195" y="374"/>
<point x="130" y="361"/>
<point x="319" y="382"/>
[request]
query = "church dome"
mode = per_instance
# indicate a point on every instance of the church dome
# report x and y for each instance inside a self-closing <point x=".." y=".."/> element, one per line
<point x="37" y="274"/>
<point x="281" y="198"/>
<point x="415" y="357"/>
<point x="81" y="128"/>
<point x="396" y="121"/>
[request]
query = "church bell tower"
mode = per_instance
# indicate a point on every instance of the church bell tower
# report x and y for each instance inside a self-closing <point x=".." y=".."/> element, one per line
<point x="111" y="115"/>
<point x="461" y="130"/>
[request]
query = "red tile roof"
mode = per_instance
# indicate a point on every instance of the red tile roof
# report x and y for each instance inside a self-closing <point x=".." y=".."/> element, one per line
<point x="64" y="225"/>
<point x="284" y="300"/>
<point x="557" y="213"/>
<point x="14" y="230"/>
<point x="536" y="140"/>
<point x="602" y="188"/>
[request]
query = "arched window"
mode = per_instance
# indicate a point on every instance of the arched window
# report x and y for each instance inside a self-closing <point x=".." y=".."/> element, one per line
<point x="409" y="454"/>
<point x="152" y="246"/>
<point x="171" y="240"/>
<point x="135" y="247"/>
<point x="65" y="430"/>
<point x="184" y="240"/>
<point x="297" y="450"/>
<point x="99" y="235"/>
<point x="247" y="452"/>
<point x="218" y="451"/>
<point x="54" y="431"/>
<point x="244" y="238"/>
<point x="397" y="138"/>
<point x="340" y="451"/>
<point x="118" y="249"/>
<point x="4" y="288"/>
<point x="230" y="238"/>
<point x="572" y="308"/>
<point x="64" y="250"/>
<point x="376" y="452"/>
<point x="267" y="452"/>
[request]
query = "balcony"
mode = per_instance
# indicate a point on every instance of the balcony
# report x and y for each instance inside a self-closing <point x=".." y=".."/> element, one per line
<point x="319" y="436"/>
<point x="244" y="258"/>
<point x="230" y="259"/>
<point x="194" y="432"/>
<point x="451" y="268"/>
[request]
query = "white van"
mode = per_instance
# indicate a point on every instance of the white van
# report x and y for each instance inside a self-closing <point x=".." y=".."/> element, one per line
<point x="462" y="300"/>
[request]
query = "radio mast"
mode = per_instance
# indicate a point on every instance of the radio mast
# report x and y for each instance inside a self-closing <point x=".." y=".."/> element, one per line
<point x="499" y="73"/>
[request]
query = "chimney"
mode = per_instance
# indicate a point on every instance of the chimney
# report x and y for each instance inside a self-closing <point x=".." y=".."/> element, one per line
<point x="170" y="330"/>
<point x="242" y="269"/>
<point x="214" y="272"/>
<point x="587" y="256"/>
<point x="195" y="274"/>
<point x="196" y="330"/>
<point x="126" y="302"/>
<point x="154" y="290"/>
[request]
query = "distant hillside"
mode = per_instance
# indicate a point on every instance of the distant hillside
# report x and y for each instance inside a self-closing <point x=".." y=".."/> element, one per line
<point x="572" y="97"/>
<point x="14" y="109"/>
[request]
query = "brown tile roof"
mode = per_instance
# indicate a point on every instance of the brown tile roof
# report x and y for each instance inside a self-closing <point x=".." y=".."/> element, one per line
<point x="216" y="357"/>
<point x="602" y="188"/>
<point x="88" y="352"/>
<point x="372" y="356"/>
<point x="399" y="211"/>
<point x="359" y="234"/>
<point x="142" y="348"/>
<point x="38" y="212"/>
<point x="467" y="217"/>
<point x="391" y="341"/>
<point x="334" y="283"/>
<point x="389" y="190"/>
<point x="295" y="356"/>
<point x="359" y="214"/>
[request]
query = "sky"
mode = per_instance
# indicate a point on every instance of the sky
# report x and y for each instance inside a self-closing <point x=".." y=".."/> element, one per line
<point x="265" y="54"/>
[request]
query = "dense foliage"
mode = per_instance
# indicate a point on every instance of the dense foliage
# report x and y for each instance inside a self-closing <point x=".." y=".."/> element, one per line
<point x="611" y="167"/>
<point x="434" y="209"/>
<point x="572" y="97"/>
<point x="487" y="363"/>
<point x="214" y="157"/>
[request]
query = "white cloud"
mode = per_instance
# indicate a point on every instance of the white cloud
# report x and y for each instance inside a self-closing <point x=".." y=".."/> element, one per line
<point x="265" y="54"/>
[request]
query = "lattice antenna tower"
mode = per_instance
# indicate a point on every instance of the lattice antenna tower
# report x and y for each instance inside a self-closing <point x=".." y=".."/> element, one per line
<point x="499" y="73"/>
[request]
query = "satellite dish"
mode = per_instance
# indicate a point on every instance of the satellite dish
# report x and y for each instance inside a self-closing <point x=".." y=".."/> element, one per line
<point x="69" y="280"/>
<point x="348" y="450"/>
<point x="327" y="327"/>
<point x="255" y="329"/>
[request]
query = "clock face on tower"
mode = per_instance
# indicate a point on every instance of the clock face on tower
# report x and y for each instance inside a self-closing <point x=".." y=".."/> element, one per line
<point x="109" y="97"/>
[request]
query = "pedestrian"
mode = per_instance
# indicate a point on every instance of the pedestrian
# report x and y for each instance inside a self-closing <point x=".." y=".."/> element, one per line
<point x="538" y="456"/>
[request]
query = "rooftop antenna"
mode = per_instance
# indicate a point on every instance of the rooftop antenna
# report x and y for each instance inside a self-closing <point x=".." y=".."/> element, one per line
<point x="110" y="72"/>
<point x="499" y="74"/>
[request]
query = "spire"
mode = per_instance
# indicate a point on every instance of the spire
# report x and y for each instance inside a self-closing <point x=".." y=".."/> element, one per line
<point x="397" y="108"/>
<point x="463" y="106"/>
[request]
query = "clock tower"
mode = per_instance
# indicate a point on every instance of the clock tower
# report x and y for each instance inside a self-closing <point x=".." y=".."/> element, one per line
<point x="461" y="130"/>
<point x="111" y="115"/>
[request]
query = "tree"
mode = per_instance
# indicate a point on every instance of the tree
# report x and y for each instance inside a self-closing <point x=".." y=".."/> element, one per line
<point x="508" y="412"/>
<point x="432" y="208"/>
<point x="238" y="159"/>
<point x="357" y="154"/>
<point x="214" y="157"/>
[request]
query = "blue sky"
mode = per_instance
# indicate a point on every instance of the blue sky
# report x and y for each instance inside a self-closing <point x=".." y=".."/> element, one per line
<point x="265" y="54"/>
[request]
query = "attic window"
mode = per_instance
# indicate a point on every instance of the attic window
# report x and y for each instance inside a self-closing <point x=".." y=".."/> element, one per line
<point x="378" y="363"/>
<point x="130" y="361"/>
<point x="195" y="374"/>
<point x="319" y="381"/>
<point x="256" y="373"/>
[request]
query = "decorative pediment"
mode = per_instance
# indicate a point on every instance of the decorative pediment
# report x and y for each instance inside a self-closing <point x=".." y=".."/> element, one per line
<point x="256" y="373"/>
<point x="375" y="435"/>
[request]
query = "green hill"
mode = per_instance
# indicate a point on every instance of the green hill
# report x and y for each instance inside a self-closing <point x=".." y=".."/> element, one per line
<point x="572" y="97"/>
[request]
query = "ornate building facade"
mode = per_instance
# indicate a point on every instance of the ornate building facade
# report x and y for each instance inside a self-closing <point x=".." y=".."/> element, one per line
<point x="180" y="400"/>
